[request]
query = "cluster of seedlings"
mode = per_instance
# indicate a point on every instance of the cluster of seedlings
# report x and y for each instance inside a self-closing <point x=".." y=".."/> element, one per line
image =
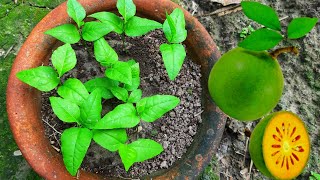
<point x="81" y="103"/>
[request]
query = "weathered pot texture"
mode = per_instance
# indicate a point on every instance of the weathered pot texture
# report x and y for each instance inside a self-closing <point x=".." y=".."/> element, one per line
<point x="24" y="102"/>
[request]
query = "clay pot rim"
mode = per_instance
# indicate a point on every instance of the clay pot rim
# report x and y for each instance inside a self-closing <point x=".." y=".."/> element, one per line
<point x="23" y="102"/>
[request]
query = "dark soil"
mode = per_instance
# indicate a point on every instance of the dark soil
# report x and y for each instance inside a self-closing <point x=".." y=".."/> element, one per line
<point x="175" y="130"/>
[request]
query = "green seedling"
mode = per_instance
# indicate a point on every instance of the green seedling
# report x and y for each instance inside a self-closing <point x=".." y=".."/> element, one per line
<point x="80" y="103"/>
<point x="246" y="31"/>
<point x="173" y="54"/>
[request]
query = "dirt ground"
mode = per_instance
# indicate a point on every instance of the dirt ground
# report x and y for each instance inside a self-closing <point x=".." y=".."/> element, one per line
<point x="302" y="81"/>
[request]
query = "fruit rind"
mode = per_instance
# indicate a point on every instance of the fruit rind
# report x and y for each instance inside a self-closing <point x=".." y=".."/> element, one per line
<point x="255" y="146"/>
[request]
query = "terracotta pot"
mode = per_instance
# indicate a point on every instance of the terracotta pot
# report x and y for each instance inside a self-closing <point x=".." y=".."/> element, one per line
<point x="23" y="101"/>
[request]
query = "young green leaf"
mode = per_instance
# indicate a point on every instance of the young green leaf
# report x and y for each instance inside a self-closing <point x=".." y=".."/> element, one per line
<point x="171" y="24"/>
<point x="137" y="26"/>
<point x="111" y="19"/>
<point x="262" y="14"/>
<point x="65" y="110"/>
<point x="135" y="96"/>
<point x="261" y="39"/>
<point x="120" y="93"/>
<point x="120" y="71"/>
<point x="299" y="27"/>
<point x="73" y="90"/>
<point x="104" y="52"/>
<point x="104" y="84"/>
<point x="92" y="31"/>
<point x="67" y="33"/>
<point x="174" y="27"/>
<point x="90" y="110"/>
<point x="64" y="59"/>
<point x="110" y="139"/>
<point x="76" y="11"/>
<point x="131" y="62"/>
<point x="44" y="78"/>
<point x="126" y="8"/>
<point x="135" y="71"/>
<point x="74" y="145"/>
<point x="122" y="116"/>
<point x="173" y="57"/>
<point x="153" y="107"/>
<point x="127" y="155"/>
<point x="146" y="149"/>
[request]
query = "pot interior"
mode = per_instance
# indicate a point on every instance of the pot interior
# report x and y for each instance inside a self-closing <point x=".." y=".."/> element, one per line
<point x="25" y="119"/>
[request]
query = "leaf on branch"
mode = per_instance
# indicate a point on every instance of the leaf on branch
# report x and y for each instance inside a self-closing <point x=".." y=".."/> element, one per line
<point x="76" y="11"/>
<point x="122" y="116"/>
<point x="261" y="39"/>
<point x="120" y="93"/>
<point x="110" y="139"/>
<point x="103" y="84"/>
<point x="120" y="71"/>
<point x="104" y="53"/>
<point x="262" y="14"/>
<point x="92" y="31"/>
<point x="174" y="27"/>
<point x="173" y="56"/>
<point x="73" y="90"/>
<point x="153" y="107"/>
<point x="74" y="145"/>
<point x="90" y="109"/>
<point x="299" y="27"/>
<point x="127" y="155"/>
<point x="146" y="149"/>
<point x="111" y="19"/>
<point x="44" y="78"/>
<point x="65" y="110"/>
<point x="135" y="96"/>
<point x="67" y="33"/>
<point x="64" y="59"/>
<point x="137" y="26"/>
<point x="126" y="8"/>
<point x="135" y="72"/>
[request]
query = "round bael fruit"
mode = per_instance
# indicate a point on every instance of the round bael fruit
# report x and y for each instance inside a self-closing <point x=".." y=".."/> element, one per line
<point x="279" y="145"/>
<point x="246" y="84"/>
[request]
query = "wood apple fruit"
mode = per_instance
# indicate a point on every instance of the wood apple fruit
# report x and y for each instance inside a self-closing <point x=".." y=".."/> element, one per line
<point x="246" y="84"/>
<point x="280" y="146"/>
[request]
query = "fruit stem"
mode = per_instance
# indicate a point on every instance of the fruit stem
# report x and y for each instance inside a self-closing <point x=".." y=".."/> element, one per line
<point x="274" y="54"/>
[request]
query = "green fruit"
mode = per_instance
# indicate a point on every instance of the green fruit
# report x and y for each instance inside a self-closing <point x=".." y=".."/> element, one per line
<point x="246" y="84"/>
<point x="279" y="145"/>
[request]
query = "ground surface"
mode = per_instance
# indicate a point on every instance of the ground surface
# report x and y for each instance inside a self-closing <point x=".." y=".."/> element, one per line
<point x="301" y="94"/>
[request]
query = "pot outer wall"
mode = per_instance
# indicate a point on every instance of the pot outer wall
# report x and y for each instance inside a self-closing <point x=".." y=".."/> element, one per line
<point x="24" y="102"/>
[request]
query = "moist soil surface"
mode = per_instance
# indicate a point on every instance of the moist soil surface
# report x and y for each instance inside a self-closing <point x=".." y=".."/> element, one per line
<point x="175" y="130"/>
